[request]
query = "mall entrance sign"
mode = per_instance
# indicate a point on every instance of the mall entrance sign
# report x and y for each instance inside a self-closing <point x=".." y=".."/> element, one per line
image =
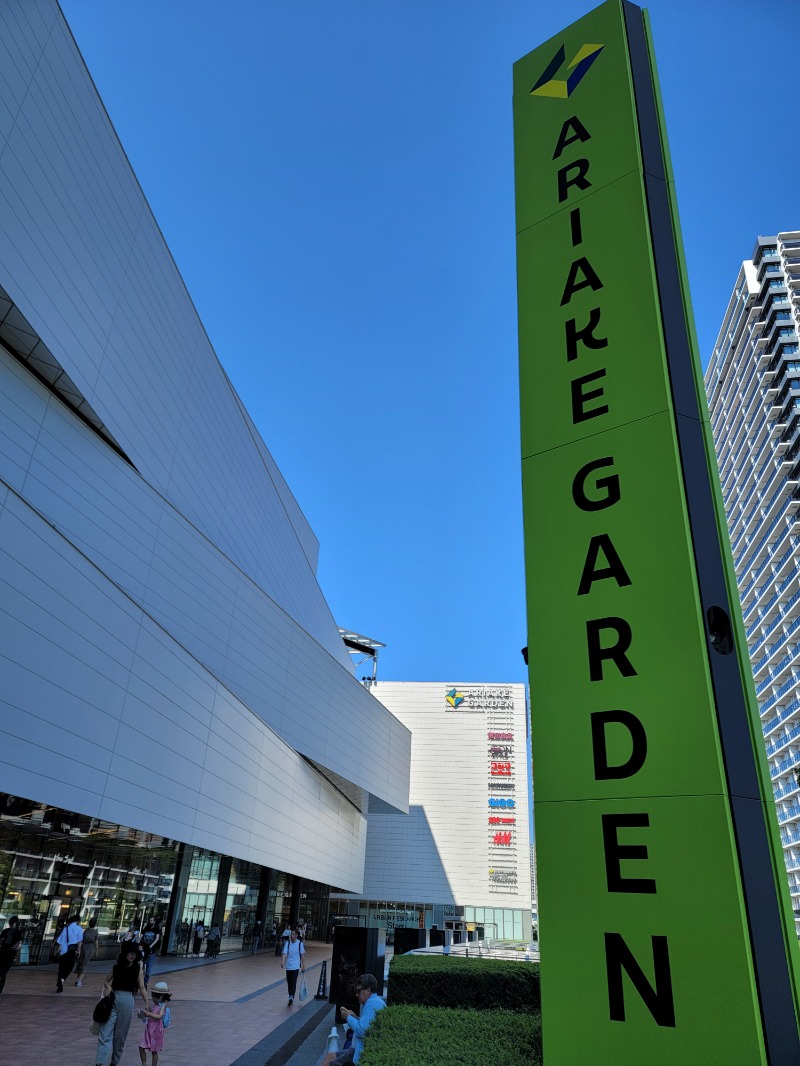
<point x="667" y="929"/>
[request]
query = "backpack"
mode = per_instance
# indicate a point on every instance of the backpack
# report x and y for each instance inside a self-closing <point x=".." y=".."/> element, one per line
<point x="166" y="1021"/>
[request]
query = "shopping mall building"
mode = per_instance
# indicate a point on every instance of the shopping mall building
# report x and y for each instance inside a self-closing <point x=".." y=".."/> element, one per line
<point x="461" y="858"/>
<point x="181" y="733"/>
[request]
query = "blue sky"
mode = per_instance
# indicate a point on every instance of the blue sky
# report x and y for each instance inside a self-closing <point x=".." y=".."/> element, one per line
<point x="335" y="181"/>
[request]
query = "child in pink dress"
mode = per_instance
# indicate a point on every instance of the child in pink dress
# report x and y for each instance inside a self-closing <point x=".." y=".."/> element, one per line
<point x="153" y="1037"/>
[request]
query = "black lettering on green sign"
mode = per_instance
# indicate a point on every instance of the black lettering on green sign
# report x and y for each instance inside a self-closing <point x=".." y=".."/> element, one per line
<point x="585" y="334"/>
<point x="658" y="1000"/>
<point x="581" y="269"/>
<point x="572" y="130"/>
<point x="615" y="852"/>
<point x="615" y="652"/>
<point x="603" y="770"/>
<point x="609" y="484"/>
<point x="602" y="543"/>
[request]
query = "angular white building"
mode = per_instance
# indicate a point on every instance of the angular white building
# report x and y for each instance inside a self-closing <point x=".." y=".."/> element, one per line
<point x="180" y="729"/>
<point x="753" y="387"/>
<point x="461" y="858"/>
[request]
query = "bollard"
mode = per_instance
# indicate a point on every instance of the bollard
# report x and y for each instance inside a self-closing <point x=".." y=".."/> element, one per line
<point x="333" y="1042"/>
<point x="322" y="992"/>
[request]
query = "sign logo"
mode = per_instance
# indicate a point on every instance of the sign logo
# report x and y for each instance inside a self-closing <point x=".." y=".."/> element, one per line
<point x="548" y="85"/>
<point x="454" y="698"/>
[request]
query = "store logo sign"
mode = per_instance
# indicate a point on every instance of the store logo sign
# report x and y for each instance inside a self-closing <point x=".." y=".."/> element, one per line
<point x="579" y="65"/>
<point x="454" y="698"/>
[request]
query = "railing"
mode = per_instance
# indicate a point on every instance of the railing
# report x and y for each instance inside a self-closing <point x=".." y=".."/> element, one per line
<point x="789" y="501"/>
<point x="781" y="742"/>
<point x="760" y="570"/>
<point x="783" y="766"/>
<point x="777" y="695"/>
<point x="777" y="672"/>
<point x="778" y="644"/>
<point x="772" y="500"/>
<point x="765" y="610"/>
<point x="787" y="712"/>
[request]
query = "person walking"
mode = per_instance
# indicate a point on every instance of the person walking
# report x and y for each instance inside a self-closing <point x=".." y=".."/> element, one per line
<point x="69" y="941"/>
<point x="255" y="942"/>
<point x="149" y="941"/>
<point x="10" y="940"/>
<point x="153" y="1036"/>
<point x="293" y="961"/>
<point x="199" y="933"/>
<point x="125" y="980"/>
<point x="213" y="942"/>
<point x="131" y="934"/>
<point x="88" y="951"/>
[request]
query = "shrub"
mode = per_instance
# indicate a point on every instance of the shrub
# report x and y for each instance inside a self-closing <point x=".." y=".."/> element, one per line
<point x="418" y="1036"/>
<point x="474" y="984"/>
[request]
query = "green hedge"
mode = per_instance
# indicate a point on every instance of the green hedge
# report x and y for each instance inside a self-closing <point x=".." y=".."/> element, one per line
<point x="423" y="1036"/>
<point x="475" y="984"/>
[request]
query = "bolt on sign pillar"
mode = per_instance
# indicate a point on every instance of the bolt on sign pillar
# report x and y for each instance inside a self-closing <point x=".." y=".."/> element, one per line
<point x="667" y="931"/>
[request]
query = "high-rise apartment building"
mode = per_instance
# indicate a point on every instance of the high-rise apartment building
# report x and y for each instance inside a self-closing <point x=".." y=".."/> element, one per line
<point x="753" y="387"/>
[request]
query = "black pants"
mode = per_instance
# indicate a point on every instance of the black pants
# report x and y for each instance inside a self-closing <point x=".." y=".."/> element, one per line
<point x="291" y="981"/>
<point x="6" y="961"/>
<point x="66" y="963"/>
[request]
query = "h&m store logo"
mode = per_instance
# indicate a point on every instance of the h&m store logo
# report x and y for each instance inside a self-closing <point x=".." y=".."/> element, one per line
<point x="577" y="69"/>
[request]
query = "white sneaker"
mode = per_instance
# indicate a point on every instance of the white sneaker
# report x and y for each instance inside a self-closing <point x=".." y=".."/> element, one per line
<point x="79" y="983"/>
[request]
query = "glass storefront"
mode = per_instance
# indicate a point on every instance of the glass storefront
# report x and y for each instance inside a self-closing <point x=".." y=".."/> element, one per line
<point x="466" y="923"/>
<point x="54" y="863"/>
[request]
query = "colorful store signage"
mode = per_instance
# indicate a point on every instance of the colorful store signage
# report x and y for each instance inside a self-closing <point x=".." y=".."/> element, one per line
<point x="662" y="895"/>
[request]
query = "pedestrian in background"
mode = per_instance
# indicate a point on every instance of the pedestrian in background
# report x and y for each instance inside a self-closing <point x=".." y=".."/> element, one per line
<point x="293" y="962"/>
<point x="149" y="941"/>
<point x="213" y="942"/>
<point x="199" y="933"/>
<point x="88" y="951"/>
<point x="69" y="942"/>
<point x="10" y="940"/>
<point x="131" y="934"/>
<point x="255" y="943"/>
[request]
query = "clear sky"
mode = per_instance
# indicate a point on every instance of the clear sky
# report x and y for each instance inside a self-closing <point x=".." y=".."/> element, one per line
<point x="335" y="181"/>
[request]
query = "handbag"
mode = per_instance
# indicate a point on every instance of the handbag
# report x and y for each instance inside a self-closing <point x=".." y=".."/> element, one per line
<point x="102" y="1011"/>
<point x="303" y="989"/>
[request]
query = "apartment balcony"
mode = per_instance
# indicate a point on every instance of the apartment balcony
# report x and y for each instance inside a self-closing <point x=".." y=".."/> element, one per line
<point x="776" y="746"/>
<point x="788" y="686"/>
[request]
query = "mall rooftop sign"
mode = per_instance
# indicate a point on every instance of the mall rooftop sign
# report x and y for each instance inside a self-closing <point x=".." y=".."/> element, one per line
<point x="664" y="909"/>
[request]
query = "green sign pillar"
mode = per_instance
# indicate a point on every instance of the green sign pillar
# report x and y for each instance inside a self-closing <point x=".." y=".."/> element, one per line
<point x="667" y="932"/>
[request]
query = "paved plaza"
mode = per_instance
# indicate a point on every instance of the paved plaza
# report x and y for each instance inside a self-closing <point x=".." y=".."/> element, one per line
<point x="226" y="1012"/>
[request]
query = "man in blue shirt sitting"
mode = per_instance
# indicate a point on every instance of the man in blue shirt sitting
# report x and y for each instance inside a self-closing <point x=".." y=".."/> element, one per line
<point x="370" y="1003"/>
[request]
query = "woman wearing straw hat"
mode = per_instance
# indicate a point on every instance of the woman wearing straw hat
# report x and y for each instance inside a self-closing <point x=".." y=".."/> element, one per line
<point x="153" y="1036"/>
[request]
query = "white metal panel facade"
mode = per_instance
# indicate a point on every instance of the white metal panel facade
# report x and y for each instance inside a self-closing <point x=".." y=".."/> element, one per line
<point x="444" y="852"/>
<point x="166" y="651"/>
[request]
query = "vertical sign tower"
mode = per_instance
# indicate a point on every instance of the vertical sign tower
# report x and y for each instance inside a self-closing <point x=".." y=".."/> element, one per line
<point x="665" y="915"/>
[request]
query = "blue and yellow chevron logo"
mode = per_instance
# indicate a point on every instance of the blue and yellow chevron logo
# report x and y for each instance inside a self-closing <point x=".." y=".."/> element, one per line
<point x="454" y="698"/>
<point x="548" y="85"/>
